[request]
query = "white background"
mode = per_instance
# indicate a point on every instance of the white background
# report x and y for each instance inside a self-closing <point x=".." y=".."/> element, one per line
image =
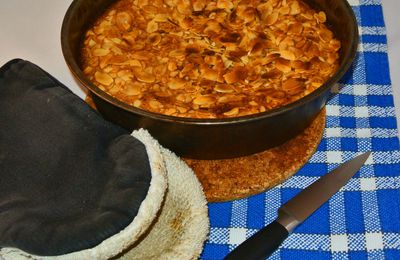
<point x="30" y="29"/>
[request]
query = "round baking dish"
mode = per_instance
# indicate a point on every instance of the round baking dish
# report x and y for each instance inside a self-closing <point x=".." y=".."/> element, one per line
<point x="212" y="138"/>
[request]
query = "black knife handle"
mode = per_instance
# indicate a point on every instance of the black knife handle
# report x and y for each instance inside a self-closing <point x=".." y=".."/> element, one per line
<point x="261" y="245"/>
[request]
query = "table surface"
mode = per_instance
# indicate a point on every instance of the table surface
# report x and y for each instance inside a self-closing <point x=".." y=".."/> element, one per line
<point x="29" y="33"/>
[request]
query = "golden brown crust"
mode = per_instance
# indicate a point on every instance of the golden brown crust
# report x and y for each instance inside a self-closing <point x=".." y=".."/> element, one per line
<point x="209" y="58"/>
<point x="237" y="178"/>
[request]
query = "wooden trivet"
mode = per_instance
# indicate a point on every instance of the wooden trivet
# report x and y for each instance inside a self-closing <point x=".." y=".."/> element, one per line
<point x="241" y="177"/>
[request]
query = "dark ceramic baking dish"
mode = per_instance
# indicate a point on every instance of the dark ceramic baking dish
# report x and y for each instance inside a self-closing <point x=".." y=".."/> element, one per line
<point x="212" y="138"/>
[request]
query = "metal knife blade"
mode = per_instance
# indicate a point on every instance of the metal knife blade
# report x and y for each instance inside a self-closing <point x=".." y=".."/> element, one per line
<point x="290" y="215"/>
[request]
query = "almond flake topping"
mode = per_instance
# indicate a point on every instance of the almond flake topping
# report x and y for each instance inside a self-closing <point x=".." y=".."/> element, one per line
<point x="210" y="58"/>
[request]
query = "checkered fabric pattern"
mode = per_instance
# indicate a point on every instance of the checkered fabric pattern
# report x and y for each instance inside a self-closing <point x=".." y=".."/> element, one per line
<point x="361" y="221"/>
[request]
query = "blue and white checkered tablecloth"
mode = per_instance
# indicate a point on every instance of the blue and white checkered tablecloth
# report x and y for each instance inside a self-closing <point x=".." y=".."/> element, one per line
<point x="361" y="221"/>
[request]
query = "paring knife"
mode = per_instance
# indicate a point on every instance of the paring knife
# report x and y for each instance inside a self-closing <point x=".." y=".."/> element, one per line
<point x="263" y="243"/>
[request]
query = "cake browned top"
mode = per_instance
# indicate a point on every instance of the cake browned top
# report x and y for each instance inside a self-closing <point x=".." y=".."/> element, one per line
<point x="209" y="59"/>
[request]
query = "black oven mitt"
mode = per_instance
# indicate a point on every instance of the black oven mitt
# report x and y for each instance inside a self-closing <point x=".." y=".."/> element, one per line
<point x="68" y="178"/>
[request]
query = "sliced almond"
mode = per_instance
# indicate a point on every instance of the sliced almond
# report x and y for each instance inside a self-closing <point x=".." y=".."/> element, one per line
<point x="91" y="43"/>
<point x="277" y="95"/>
<point x="222" y="88"/>
<point x="177" y="53"/>
<point x="184" y="7"/>
<point x="204" y="101"/>
<point x="100" y="52"/>
<point x="181" y="109"/>
<point x="123" y="21"/>
<point x="236" y="75"/>
<point x="162" y="93"/>
<point x="295" y="8"/>
<point x="170" y="111"/>
<point x="137" y="103"/>
<point x="199" y="5"/>
<point x="141" y="55"/>
<point x="125" y="74"/>
<point x="103" y="78"/>
<point x="283" y="65"/>
<point x="132" y="89"/>
<point x="160" y="18"/>
<point x="225" y="4"/>
<point x="145" y="77"/>
<point x="271" y="19"/>
<point x="172" y="66"/>
<point x="232" y="112"/>
<point x="284" y="10"/>
<point x="176" y="84"/>
<point x="150" y="11"/>
<point x="334" y="44"/>
<point x="88" y="70"/>
<point x="249" y="14"/>
<point x="152" y="26"/>
<point x="185" y="98"/>
<point x="262" y="109"/>
<point x="134" y="63"/>
<point x="129" y="38"/>
<point x="321" y="17"/>
<point x="113" y="90"/>
<point x="297" y="64"/>
<point x="154" y="39"/>
<point x="295" y="28"/>
<point x="288" y="55"/>
<point x="154" y="104"/>
<point x="332" y="58"/>
<point x="210" y="75"/>
<point x="231" y="77"/>
<point x="142" y="3"/>
<point x="325" y="35"/>
<point x="292" y="86"/>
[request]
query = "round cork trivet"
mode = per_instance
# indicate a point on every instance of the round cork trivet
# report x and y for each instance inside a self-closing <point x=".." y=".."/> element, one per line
<point x="230" y="179"/>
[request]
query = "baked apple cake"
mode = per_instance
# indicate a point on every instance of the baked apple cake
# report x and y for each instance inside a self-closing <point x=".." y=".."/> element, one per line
<point x="209" y="58"/>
